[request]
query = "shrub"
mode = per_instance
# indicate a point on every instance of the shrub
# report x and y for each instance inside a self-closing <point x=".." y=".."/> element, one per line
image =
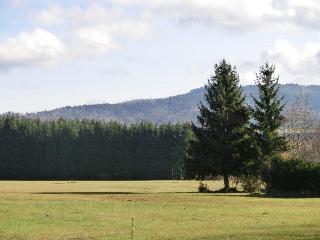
<point x="252" y="184"/>
<point x="295" y="175"/>
<point x="203" y="188"/>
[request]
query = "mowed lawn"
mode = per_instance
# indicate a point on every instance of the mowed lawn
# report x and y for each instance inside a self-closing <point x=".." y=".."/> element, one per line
<point x="161" y="210"/>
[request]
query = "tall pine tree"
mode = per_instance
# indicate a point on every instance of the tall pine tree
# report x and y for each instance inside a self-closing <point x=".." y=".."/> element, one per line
<point x="267" y="117"/>
<point x="221" y="136"/>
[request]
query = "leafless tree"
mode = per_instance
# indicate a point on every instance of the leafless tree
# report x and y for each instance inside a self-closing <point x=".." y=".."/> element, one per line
<point x="301" y="129"/>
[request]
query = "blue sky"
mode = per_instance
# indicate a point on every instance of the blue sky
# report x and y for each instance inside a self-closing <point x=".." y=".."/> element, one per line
<point x="57" y="53"/>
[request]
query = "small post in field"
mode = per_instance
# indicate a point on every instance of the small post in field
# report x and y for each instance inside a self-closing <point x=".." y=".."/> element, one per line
<point x="132" y="229"/>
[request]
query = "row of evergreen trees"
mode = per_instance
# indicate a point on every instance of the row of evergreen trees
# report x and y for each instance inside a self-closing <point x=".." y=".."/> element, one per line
<point x="231" y="138"/>
<point x="67" y="149"/>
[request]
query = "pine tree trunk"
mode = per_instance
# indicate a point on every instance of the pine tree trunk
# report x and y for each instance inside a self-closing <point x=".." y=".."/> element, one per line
<point x="268" y="186"/>
<point x="226" y="182"/>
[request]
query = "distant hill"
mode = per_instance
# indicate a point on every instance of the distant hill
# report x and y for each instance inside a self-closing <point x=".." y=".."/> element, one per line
<point x="180" y="108"/>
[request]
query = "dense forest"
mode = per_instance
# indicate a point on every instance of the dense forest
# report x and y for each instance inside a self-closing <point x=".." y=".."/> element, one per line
<point x="89" y="149"/>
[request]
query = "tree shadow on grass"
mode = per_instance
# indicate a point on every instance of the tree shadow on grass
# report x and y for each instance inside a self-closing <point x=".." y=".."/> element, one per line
<point x="88" y="193"/>
<point x="284" y="195"/>
<point x="289" y="195"/>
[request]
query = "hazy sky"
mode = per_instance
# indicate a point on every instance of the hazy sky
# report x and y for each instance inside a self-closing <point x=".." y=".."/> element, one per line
<point x="66" y="52"/>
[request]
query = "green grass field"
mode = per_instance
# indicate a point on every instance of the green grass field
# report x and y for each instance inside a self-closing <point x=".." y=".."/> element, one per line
<point x="161" y="210"/>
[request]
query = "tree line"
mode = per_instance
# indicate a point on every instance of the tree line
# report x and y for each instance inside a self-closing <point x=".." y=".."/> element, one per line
<point x="88" y="149"/>
<point x="229" y="139"/>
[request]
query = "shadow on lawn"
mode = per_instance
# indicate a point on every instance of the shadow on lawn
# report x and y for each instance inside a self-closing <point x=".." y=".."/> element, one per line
<point x="88" y="193"/>
<point x="213" y="194"/>
<point x="290" y="195"/>
<point x="283" y="195"/>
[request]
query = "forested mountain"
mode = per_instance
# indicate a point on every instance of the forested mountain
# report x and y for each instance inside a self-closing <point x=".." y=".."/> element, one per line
<point x="180" y="108"/>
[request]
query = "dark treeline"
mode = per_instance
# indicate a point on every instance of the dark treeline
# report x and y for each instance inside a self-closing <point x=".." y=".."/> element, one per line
<point x="88" y="149"/>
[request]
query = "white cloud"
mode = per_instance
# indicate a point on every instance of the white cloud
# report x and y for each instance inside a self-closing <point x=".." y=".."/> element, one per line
<point x="242" y="15"/>
<point x="93" y="29"/>
<point x="301" y="65"/>
<point x="94" y="40"/>
<point x="50" y="16"/>
<point x="16" y="3"/>
<point x="294" y="64"/>
<point x="38" y="47"/>
<point x="102" y="39"/>
<point x="302" y="13"/>
<point x="106" y="25"/>
<point x="285" y="54"/>
<point x="76" y="16"/>
<point x="87" y="32"/>
<point x="132" y="29"/>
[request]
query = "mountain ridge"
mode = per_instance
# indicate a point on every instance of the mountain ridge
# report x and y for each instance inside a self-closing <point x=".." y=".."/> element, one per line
<point x="173" y="109"/>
